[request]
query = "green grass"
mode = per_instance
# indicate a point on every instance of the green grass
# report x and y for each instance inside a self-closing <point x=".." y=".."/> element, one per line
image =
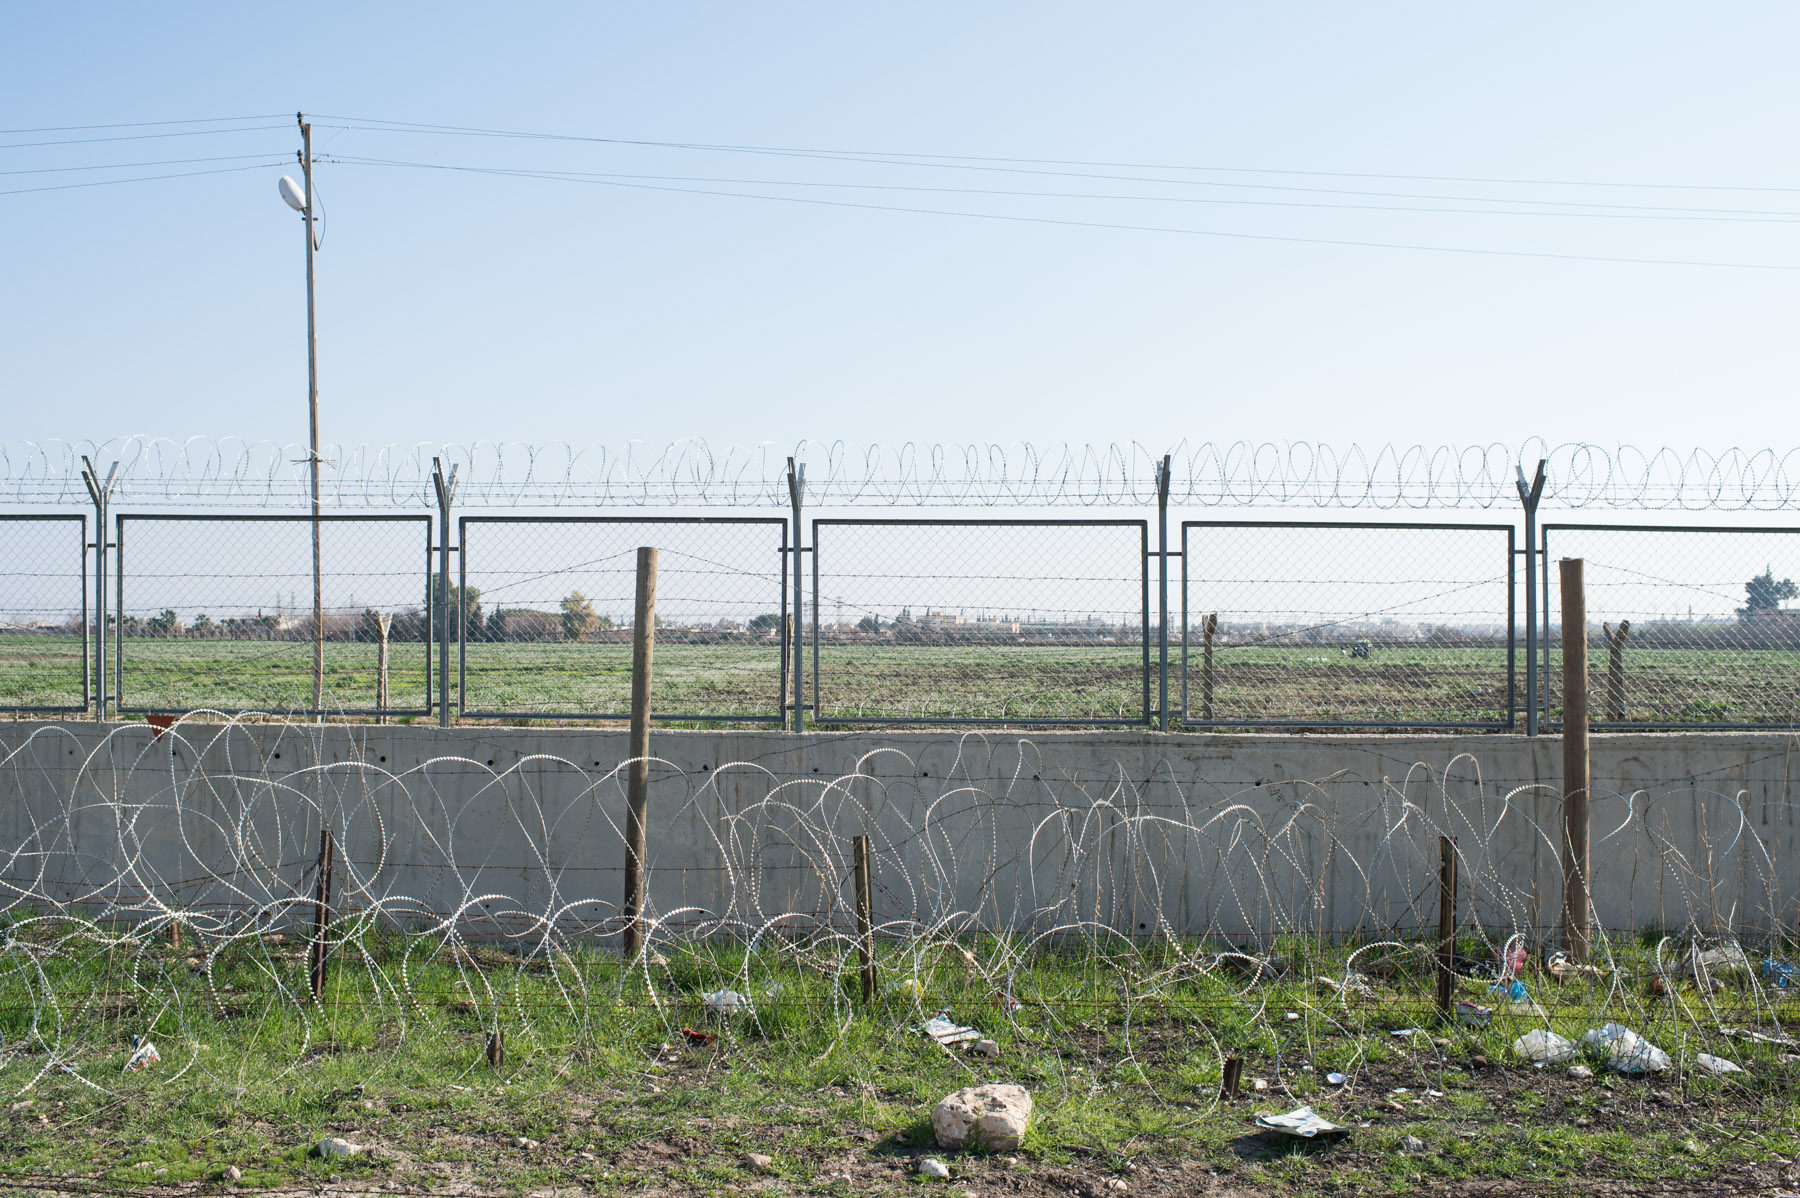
<point x="1122" y="1048"/>
<point x="1102" y="683"/>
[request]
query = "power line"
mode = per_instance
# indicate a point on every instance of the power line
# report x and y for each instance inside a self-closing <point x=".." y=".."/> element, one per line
<point x="1088" y="224"/>
<point x="382" y="125"/>
<point x="1725" y="216"/>
<point x="84" y="141"/>
<point x="224" y="170"/>
<point x="210" y="120"/>
<point x="119" y="166"/>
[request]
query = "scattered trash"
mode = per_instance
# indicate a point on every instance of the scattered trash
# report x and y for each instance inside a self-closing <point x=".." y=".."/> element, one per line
<point x="1352" y="985"/>
<point x="1512" y="958"/>
<point x="1302" y="1121"/>
<point x="332" y="1146"/>
<point x="1007" y="1002"/>
<point x="1717" y="1066"/>
<point x="1759" y="1037"/>
<point x="1727" y="958"/>
<point x="1336" y="1079"/>
<point x="1780" y="974"/>
<point x="1409" y="1031"/>
<point x="772" y="990"/>
<point x="1544" y="1047"/>
<point x="1580" y="1072"/>
<point x="143" y="1055"/>
<point x="931" y="1166"/>
<point x="658" y="961"/>
<point x="698" y="1039"/>
<point x="726" y="1002"/>
<point x="1513" y="991"/>
<point x="1625" y="1050"/>
<point x="946" y="1031"/>
<point x="1562" y="967"/>
<point x="1291" y="1017"/>
<point x="1259" y="1083"/>
<point x="1474" y="1014"/>
<point x="909" y="988"/>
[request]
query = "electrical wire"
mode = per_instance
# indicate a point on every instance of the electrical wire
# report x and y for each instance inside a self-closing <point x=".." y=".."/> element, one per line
<point x="119" y="166"/>
<point x="224" y="170"/>
<point x="209" y="120"/>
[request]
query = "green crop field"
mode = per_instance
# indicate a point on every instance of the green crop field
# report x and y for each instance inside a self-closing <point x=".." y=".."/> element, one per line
<point x="862" y="681"/>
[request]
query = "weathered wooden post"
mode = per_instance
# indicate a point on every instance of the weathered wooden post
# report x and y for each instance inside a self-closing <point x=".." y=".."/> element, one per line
<point x="1446" y="975"/>
<point x="865" y="929"/>
<point x="643" y="642"/>
<point x="1577" y="908"/>
<point x="1615" y="670"/>
<point x="321" y="912"/>
<point x="384" y="623"/>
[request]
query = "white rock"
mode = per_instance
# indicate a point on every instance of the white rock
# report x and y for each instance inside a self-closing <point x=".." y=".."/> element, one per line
<point x="233" y="1173"/>
<point x="524" y="1142"/>
<point x="332" y="1146"/>
<point x="1580" y="1072"/>
<point x="993" y="1116"/>
<point x="1412" y="1144"/>
<point x="988" y="1048"/>
<point x="759" y="1161"/>
<point x="1717" y="1066"/>
<point x="931" y="1166"/>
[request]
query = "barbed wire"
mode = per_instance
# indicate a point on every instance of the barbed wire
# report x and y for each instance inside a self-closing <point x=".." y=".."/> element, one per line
<point x="692" y="473"/>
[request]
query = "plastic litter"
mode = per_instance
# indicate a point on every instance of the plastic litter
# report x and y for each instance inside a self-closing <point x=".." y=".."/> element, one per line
<point x="1474" y="1014"/>
<point x="1302" y="1121"/>
<point x="1717" y="1066"/>
<point x="1292" y="1017"/>
<point x="1780" y="974"/>
<point x="908" y="988"/>
<point x="698" y="1039"/>
<point x="1007" y="1002"/>
<point x="947" y="1031"/>
<point x="1545" y="1047"/>
<point x="1409" y="1031"/>
<point x="1336" y="1079"/>
<point x="1510" y="991"/>
<point x="1351" y="985"/>
<point x="1625" y="1050"/>
<point x="143" y="1055"/>
<point x="1726" y="958"/>
<point x="1512" y="959"/>
<point x="1563" y="968"/>
<point x="726" y="1002"/>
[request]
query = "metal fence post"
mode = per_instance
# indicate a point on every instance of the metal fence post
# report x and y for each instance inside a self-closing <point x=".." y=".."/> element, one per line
<point x="446" y="495"/>
<point x="796" y="480"/>
<point x="1528" y="497"/>
<point x="1162" y="592"/>
<point x="101" y="493"/>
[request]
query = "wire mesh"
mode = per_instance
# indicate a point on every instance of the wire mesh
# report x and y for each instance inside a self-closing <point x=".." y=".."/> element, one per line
<point x="44" y="635"/>
<point x="1020" y="622"/>
<point x="1376" y="624"/>
<point x="1687" y="627"/>
<point x="545" y="609"/>
<point x="216" y="612"/>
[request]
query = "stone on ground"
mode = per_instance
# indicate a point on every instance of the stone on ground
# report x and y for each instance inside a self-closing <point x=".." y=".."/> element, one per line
<point x="992" y="1116"/>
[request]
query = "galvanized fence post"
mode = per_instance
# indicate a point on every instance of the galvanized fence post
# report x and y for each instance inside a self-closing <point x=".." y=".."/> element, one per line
<point x="1529" y="494"/>
<point x="446" y="495"/>
<point x="1162" y="592"/>
<point x="101" y="493"/>
<point x="796" y="480"/>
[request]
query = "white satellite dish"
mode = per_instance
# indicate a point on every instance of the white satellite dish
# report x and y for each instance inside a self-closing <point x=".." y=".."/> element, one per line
<point x="290" y="191"/>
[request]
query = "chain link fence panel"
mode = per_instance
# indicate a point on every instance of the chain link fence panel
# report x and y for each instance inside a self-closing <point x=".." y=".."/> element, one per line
<point x="980" y="621"/>
<point x="45" y="647"/>
<point x="1301" y="624"/>
<point x="216" y="612"/>
<point x="1687" y="627"/>
<point x="544" y="611"/>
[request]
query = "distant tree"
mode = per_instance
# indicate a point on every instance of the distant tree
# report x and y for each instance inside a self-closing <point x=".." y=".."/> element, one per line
<point x="578" y="618"/>
<point x="764" y="624"/>
<point x="496" y="624"/>
<point x="868" y="624"/>
<point x="163" y="623"/>
<point x="203" y="625"/>
<point x="465" y="608"/>
<point x="1764" y="593"/>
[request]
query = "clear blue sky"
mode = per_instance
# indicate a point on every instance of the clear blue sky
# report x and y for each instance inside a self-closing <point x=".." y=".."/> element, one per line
<point x="456" y="306"/>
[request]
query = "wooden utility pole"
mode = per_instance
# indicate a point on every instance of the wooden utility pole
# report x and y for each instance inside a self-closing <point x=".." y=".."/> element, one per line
<point x="384" y="624"/>
<point x="1577" y="909"/>
<point x="1446" y="978"/>
<point x="643" y="643"/>
<point x="1208" y="626"/>
<point x="321" y="913"/>
<point x="312" y="413"/>
<point x="1615" y="670"/>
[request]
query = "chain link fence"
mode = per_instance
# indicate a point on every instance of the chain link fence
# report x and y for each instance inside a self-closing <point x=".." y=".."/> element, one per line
<point x="980" y="621"/>
<point x="1687" y="627"/>
<point x="44" y="644"/>
<point x="1317" y="624"/>
<point x="216" y="612"/>
<point x="544" y="612"/>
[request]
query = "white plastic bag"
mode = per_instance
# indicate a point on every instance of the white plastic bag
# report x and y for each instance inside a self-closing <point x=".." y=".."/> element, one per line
<point x="1541" y="1046"/>
<point x="1625" y="1050"/>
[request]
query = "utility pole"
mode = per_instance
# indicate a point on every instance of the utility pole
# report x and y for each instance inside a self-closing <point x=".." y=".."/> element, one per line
<point x="312" y="407"/>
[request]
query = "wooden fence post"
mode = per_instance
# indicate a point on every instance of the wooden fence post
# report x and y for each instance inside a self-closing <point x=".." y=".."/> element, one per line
<point x="1234" y="1072"/>
<point x="865" y="929"/>
<point x="1208" y="626"/>
<point x="1615" y="670"/>
<point x="1577" y="899"/>
<point x="1446" y="979"/>
<point x="321" y="912"/>
<point x="643" y="643"/>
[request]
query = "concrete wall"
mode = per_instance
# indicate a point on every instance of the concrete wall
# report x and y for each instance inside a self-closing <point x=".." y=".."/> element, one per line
<point x="516" y="828"/>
